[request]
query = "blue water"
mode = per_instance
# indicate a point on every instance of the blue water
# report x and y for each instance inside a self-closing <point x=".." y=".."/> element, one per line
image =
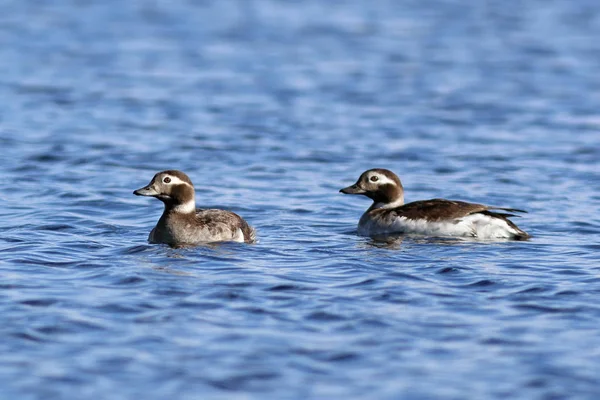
<point x="271" y="107"/>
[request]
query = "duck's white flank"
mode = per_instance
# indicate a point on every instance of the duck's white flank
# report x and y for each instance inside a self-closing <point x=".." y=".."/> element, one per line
<point x="475" y="225"/>
<point x="239" y="236"/>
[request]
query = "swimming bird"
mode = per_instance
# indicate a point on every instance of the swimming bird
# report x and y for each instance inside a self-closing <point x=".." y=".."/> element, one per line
<point x="437" y="217"/>
<point x="182" y="224"/>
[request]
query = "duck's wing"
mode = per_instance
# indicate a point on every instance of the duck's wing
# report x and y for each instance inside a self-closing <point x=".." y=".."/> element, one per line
<point x="442" y="209"/>
<point x="438" y="209"/>
<point x="223" y="219"/>
<point x="509" y="210"/>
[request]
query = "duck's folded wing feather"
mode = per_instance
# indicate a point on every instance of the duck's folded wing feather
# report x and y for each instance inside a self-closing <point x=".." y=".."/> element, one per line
<point x="510" y="210"/>
<point x="226" y="220"/>
<point x="442" y="209"/>
<point x="438" y="209"/>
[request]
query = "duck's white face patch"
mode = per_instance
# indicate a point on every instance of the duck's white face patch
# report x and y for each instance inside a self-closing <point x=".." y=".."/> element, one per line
<point x="379" y="179"/>
<point x="172" y="180"/>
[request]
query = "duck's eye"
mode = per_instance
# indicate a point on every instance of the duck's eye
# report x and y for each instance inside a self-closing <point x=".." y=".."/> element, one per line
<point x="167" y="179"/>
<point x="374" y="178"/>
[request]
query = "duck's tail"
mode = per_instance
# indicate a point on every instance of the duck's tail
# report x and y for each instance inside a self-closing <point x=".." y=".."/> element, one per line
<point x="249" y="233"/>
<point x="517" y="233"/>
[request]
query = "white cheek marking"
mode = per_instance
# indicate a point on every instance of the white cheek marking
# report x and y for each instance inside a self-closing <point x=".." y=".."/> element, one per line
<point x="382" y="180"/>
<point x="174" y="180"/>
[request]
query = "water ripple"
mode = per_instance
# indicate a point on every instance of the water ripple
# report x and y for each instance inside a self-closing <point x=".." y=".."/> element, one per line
<point x="271" y="108"/>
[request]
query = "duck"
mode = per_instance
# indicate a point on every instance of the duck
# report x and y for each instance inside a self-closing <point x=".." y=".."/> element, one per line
<point x="182" y="224"/>
<point x="435" y="218"/>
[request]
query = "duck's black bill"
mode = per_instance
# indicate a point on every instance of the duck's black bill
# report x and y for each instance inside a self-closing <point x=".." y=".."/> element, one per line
<point x="145" y="191"/>
<point x="354" y="189"/>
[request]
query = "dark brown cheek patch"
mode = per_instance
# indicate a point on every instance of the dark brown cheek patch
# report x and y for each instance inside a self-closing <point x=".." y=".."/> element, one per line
<point x="385" y="194"/>
<point x="181" y="193"/>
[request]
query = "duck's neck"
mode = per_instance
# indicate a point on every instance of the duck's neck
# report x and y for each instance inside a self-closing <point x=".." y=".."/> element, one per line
<point x="189" y="207"/>
<point x="389" y="196"/>
<point x="186" y="207"/>
<point x="182" y="200"/>
<point x="383" y="205"/>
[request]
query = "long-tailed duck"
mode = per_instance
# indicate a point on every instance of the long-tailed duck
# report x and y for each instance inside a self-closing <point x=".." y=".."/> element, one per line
<point x="437" y="217"/>
<point x="182" y="224"/>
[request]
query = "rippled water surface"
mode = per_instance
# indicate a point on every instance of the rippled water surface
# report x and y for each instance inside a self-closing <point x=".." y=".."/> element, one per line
<point x="271" y="107"/>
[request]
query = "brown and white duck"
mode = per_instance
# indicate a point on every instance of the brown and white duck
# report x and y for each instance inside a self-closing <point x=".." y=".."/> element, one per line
<point x="437" y="217"/>
<point x="182" y="224"/>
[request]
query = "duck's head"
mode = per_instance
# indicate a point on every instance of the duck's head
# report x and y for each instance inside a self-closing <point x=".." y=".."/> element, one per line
<point x="172" y="187"/>
<point x="380" y="185"/>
